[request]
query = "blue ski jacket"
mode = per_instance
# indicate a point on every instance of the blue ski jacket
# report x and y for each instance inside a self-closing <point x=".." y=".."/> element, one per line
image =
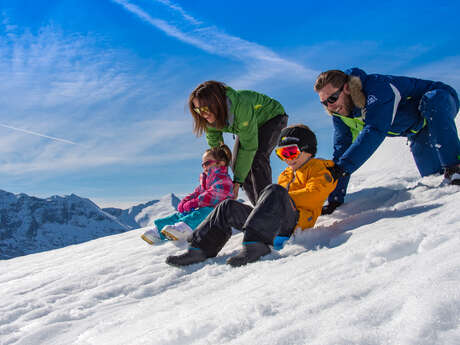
<point x="385" y="105"/>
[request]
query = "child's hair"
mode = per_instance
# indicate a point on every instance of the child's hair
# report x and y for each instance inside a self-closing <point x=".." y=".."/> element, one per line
<point x="211" y="94"/>
<point x="221" y="153"/>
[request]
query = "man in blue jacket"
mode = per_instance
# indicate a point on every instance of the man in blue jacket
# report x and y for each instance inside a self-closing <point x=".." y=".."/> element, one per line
<point x="366" y="108"/>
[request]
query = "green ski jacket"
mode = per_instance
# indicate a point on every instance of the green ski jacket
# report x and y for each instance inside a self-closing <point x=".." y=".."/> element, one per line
<point x="247" y="111"/>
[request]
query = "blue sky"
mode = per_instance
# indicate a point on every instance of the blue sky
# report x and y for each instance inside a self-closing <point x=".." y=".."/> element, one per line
<point x="93" y="93"/>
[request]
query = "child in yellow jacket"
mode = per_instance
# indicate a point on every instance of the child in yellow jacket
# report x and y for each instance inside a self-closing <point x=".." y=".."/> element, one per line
<point x="296" y="201"/>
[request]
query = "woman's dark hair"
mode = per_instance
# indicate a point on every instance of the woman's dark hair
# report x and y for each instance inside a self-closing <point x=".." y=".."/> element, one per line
<point x="221" y="153"/>
<point x="211" y="94"/>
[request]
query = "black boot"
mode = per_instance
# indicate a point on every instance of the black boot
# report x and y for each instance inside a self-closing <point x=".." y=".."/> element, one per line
<point x="251" y="252"/>
<point x="191" y="256"/>
<point x="330" y="207"/>
<point x="452" y="174"/>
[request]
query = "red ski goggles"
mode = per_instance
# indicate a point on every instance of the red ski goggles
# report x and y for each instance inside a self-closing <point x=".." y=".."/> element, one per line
<point x="288" y="152"/>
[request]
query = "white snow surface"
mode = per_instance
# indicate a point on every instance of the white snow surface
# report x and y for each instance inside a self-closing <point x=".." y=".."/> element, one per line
<point x="383" y="269"/>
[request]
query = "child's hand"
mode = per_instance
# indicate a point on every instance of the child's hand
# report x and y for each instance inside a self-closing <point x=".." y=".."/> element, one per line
<point x="180" y="207"/>
<point x="190" y="205"/>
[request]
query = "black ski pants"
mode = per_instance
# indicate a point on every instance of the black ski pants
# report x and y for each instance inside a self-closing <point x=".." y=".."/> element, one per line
<point x="260" y="174"/>
<point x="275" y="214"/>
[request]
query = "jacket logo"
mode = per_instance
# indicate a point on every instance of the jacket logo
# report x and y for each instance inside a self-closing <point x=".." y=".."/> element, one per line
<point x="371" y="99"/>
<point x="245" y="124"/>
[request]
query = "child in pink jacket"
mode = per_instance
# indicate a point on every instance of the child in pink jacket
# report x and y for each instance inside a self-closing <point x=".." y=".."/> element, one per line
<point x="215" y="186"/>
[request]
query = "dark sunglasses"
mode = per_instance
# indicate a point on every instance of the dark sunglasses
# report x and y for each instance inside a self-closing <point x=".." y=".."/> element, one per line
<point x="209" y="162"/>
<point x="333" y="98"/>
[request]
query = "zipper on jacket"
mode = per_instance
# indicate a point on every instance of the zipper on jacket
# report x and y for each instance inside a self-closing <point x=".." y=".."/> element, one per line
<point x="292" y="180"/>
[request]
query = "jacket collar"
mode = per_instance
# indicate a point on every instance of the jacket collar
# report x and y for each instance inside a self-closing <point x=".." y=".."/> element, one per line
<point x="302" y="166"/>
<point x="217" y="169"/>
<point x="356" y="91"/>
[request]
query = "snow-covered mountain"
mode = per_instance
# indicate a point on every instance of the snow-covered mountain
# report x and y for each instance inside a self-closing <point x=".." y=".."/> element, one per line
<point x="383" y="269"/>
<point x="144" y="214"/>
<point x="30" y="225"/>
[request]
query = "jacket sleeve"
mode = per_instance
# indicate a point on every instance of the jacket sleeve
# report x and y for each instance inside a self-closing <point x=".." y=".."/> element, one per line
<point x="192" y="195"/>
<point x="285" y="177"/>
<point x="219" y="189"/>
<point x="315" y="191"/>
<point x="214" y="137"/>
<point x="310" y="197"/>
<point x="248" y="136"/>
<point x="342" y="138"/>
<point x="378" y="120"/>
<point x="362" y="149"/>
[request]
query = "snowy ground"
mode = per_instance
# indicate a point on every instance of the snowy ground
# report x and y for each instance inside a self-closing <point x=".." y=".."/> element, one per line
<point x="383" y="269"/>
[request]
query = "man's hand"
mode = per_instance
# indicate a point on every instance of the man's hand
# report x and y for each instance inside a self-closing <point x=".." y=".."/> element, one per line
<point x="330" y="207"/>
<point x="337" y="172"/>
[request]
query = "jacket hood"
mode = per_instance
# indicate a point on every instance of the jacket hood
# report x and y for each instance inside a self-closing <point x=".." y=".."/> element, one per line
<point x="357" y="79"/>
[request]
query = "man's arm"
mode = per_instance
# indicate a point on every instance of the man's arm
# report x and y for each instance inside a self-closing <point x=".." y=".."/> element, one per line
<point x="342" y="138"/>
<point x="379" y="116"/>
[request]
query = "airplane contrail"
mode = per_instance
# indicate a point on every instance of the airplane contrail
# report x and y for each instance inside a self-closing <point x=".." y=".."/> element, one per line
<point x="39" y="134"/>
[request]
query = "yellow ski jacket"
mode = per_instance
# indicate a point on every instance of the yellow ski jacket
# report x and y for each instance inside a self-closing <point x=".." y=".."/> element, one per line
<point x="308" y="186"/>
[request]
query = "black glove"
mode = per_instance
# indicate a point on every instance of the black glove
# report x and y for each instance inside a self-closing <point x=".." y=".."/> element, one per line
<point x="337" y="172"/>
<point x="330" y="207"/>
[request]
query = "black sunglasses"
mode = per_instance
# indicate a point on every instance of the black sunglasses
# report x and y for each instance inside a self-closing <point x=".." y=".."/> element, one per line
<point x="209" y="162"/>
<point x="333" y="98"/>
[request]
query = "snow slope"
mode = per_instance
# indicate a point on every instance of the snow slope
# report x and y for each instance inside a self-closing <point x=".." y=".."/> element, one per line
<point x="383" y="269"/>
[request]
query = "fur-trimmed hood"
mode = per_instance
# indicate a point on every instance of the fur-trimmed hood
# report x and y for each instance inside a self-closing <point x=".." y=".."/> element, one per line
<point x="356" y="91"/>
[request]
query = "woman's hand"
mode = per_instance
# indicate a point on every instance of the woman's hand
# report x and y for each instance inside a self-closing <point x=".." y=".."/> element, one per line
<point x="236" y="188"/>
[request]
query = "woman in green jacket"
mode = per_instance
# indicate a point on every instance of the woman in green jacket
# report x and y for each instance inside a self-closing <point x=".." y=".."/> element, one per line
<point x="256" y="119"/>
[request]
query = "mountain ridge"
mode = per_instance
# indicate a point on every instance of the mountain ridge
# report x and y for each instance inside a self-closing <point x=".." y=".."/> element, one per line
<point x="29" y="224"/>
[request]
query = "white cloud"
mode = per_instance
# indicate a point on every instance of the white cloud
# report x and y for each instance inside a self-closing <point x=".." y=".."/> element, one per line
<point x="261" y="62"/>
<point x="181" y="11"/>
<point x="446" y="70"/>
<point x="66" y="88"/>
<point x="38" y="134"/>
<point x="57" y="90"/>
